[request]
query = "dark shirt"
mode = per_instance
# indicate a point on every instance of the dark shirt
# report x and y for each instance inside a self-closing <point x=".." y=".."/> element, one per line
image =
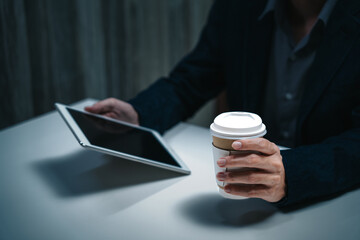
<point x="233" y="53"/>
<point x="289" y="65"/>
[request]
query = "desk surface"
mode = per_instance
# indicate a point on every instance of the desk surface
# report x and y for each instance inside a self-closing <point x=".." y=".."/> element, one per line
<point x="51" y="188"/>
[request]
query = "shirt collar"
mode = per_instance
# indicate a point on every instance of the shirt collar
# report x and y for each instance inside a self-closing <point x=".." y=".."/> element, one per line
<point x="272" y="5"/>
<point x="326" y="10"/>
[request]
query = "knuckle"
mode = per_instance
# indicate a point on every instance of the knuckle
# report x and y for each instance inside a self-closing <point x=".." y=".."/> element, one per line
<point x="251" y="178"/>
<point x="252" y="159"/>
<point x="275" y="147"/>
<point x="276" y="179"/>
<point x="278" y="166"/>
<point x="112" y="100"/>
<point x="262" y="143"/>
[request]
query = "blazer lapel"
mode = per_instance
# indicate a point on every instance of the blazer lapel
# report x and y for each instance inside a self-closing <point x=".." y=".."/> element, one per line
<point x="341" y="33"/>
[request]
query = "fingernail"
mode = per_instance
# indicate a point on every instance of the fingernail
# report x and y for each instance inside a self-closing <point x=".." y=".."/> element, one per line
<point x="227" y="189"/>
<point x="221" y="176"/>
<point x="236" y="145"/>
<point x="221" y="162"/>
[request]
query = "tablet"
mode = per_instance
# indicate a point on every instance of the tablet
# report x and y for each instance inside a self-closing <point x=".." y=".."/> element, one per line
<point x="120" y="139"/>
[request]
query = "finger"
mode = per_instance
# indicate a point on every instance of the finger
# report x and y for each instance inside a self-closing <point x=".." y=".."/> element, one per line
<point x="256" y="144"/>
<point x="88" y="108"/>
<point x="249" y="177"/>
<point x="249" y="161"/>
<point x="106" y="105"/>
<point x="250" y="191"/>
<point x="110" y="115"/>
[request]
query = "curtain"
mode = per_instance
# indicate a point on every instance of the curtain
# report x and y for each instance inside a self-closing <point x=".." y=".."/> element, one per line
<point x="68" y="50"/>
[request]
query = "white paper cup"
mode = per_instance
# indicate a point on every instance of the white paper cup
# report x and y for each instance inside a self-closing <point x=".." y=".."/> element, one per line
<point x="226" y="128"/>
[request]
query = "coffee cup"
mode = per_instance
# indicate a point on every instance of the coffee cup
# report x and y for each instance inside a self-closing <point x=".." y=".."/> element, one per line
<point x="227" y="128"/>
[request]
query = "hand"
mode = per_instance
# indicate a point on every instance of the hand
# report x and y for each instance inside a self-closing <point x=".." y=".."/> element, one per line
<point x="266" y="177"/>
<point x="115" y="108"/>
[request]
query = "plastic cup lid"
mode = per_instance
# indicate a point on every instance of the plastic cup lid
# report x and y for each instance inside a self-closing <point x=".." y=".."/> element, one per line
<point x="238" y="124"/>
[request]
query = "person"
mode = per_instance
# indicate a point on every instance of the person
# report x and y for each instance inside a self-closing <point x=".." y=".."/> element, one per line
<point x="296" y="63"/>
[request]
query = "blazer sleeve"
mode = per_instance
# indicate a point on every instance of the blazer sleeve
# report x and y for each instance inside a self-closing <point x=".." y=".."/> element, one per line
<point x="324" y="169"/>
<point x="196" y="79"/>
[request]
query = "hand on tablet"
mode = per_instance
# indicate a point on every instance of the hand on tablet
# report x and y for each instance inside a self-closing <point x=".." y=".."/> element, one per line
<point x="115" y="108"/>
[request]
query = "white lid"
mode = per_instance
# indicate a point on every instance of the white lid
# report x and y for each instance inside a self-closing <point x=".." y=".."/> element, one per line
<point x="238" y="124"/>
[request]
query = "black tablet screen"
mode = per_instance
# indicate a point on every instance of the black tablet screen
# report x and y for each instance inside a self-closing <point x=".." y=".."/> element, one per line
<point x="122" y="138"/>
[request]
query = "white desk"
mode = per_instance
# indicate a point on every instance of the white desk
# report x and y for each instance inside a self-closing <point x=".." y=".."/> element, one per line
<point x="51" y="188"/>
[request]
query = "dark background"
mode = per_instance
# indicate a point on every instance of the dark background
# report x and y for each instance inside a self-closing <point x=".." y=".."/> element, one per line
<point x="64" y="51"/>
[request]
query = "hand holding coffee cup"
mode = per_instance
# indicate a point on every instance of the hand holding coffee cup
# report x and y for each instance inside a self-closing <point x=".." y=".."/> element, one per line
<point x="246" y="164"/>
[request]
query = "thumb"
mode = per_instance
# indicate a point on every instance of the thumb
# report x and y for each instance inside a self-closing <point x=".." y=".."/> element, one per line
<point x="236" y="145"/>
<point x="88" y="108"/>
<point x="91" y="109"/>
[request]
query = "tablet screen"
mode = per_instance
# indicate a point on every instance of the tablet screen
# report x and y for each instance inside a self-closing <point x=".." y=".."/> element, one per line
<point x="122" y="138"/>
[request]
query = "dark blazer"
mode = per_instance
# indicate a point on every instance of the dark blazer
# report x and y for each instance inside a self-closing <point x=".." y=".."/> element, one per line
<point x="233" y="54"/>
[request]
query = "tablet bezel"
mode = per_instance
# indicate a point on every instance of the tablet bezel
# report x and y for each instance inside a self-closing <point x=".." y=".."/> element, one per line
<point x="84" y="142"/>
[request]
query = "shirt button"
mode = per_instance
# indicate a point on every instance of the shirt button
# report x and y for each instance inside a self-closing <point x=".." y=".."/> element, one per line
<point x="285" y="134"/>
<point x="289" y="96"/>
